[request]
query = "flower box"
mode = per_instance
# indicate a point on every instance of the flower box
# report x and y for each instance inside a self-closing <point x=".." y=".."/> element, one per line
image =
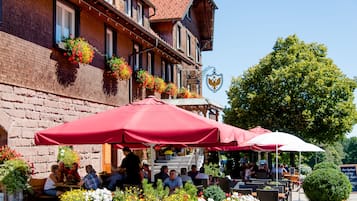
<point x="119" y="68"/>
<point x="160" y="85"/>
<point x="77" y="50"/>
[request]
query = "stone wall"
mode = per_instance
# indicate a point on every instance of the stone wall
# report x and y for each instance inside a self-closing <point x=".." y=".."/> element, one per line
<point x="25" y="111"/>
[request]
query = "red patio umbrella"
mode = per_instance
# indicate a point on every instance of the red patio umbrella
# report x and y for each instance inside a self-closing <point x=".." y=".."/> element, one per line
<point x="148" y="121"/>
<point x="242" y="139"/>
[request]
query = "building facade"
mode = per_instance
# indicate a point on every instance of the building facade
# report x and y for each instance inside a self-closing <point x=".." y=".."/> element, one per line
<point x="40" y="88"/>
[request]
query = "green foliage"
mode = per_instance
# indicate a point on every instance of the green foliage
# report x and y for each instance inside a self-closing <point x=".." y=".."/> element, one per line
<point x="334" y="153"/>
<point x="324" y="165"/>
<point x="214" y="192"/>
<point x="132" y="193"/>
<point x="14" y="174"/>
<point x="152" y="194"/>
<point x="191" y="190"/>
<point x="67" y="155"/>
<point x="350" y="149"/>
<point x="73" y="195"/>
<point x="305" y="169"/>
<point x="295" y="89"/>
<point x="188" y="193"/>
<point x="327" y="184"/>
<point x="213" y="169"/>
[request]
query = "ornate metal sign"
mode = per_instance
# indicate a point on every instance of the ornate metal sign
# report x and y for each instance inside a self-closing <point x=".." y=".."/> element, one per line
<point x="214" y="81"/>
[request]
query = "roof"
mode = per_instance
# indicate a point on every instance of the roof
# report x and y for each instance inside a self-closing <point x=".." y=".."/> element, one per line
<point x="170" y="9"/>
<point x="192" y="102"/>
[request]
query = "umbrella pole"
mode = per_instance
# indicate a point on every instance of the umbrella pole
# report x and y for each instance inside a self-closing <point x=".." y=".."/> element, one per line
<point x="276" y="163"/>
<point x="299" y="172"/>
<point x="152" y="156"/>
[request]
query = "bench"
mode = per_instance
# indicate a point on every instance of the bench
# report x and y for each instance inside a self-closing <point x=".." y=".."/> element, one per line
<point x="37" y="186"/>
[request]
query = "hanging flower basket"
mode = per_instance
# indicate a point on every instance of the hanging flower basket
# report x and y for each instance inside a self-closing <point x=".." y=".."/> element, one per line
<point x="119" y="68"/>
<point x="160" y="85"/>
<point x="183" y="93"/>
<point x="171" y="89"/>
<point x="78" y="50"/>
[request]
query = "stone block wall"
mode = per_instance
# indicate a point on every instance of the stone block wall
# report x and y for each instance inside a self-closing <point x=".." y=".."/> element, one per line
<point x="24" y="111"/>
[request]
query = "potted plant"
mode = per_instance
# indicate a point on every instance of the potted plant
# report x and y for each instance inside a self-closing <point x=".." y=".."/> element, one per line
<point x="14" y="173"/>
<point x="67" y="155"/>
<point x="78" y="50"/>
<point x="171" y="89"/>
<point x="160" y="85"/>
<point x="119" y="68"/>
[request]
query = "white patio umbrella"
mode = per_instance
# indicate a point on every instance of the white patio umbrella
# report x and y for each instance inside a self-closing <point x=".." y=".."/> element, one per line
<point x="274" y="138"/>
<point x="301" y="147"/>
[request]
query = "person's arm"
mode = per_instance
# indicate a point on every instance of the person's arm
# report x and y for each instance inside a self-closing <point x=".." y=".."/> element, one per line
<point x="54" y="178"/>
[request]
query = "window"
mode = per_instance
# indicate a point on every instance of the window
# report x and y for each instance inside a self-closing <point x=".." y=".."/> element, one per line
<point x="150" y="63"/>
<point x="110" y="1"/>
<point x="136" y="57"/>
<point x="163" y="73"/>
<point x="178" y="37"/>
<point x="140" y="14"/>
<point x="127" y="7"/>
<point x="198" y="89"/>
<point x="168" y="73"/>
<point x="109" y="43"/>
<point x="198" y="53"/>
<point x="188" y="45"/>
<point x="179" y="77"/>
<point x="65" y="22"/>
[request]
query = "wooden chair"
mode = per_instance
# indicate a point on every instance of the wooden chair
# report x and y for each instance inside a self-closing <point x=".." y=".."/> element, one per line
<point x="267" y="195"/>
<point x="37" y="186"/>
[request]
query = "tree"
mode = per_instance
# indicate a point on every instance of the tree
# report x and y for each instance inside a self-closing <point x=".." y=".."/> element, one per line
<point x="350" y="149"/>
<point x="295" y="89"/>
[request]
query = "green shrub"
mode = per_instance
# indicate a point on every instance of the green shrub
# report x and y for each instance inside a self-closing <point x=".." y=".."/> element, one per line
<point x="214" y="192"/>
<point x="325" y="164"/>
<point x="327" y="184"/>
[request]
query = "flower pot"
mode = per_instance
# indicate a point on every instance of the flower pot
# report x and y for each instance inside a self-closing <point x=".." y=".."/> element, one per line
<point x="16" y="196"/>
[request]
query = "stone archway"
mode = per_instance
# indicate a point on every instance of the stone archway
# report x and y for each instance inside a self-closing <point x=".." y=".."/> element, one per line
<point x="3" y="136"/>
<point x="5" y="124"/>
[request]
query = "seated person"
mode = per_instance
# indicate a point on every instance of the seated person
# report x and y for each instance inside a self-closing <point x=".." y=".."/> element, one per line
<point x="192" y="173"/>
<point x="52" y="180"/>
<point x="173" y="181"/>
<point x="91" y="180"/>
<point x="146" y="172"/>
<point x="184" y="177"/>
<point x="162" y="174"/>
<point x="114" y="179"/>
<point x="73" y="175"/>
<point x="202" y="178"/>
<point x="63" y="171"/>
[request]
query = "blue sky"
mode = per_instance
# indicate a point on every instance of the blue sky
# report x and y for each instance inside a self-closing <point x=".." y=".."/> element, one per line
<point x="245" y="32"/>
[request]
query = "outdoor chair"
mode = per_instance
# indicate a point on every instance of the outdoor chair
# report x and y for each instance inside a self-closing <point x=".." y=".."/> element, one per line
<point x="261" y="175"/>
<point x="267" y="195"/>
<point x="243" y="191"/>
<point x="224" y="185"/>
